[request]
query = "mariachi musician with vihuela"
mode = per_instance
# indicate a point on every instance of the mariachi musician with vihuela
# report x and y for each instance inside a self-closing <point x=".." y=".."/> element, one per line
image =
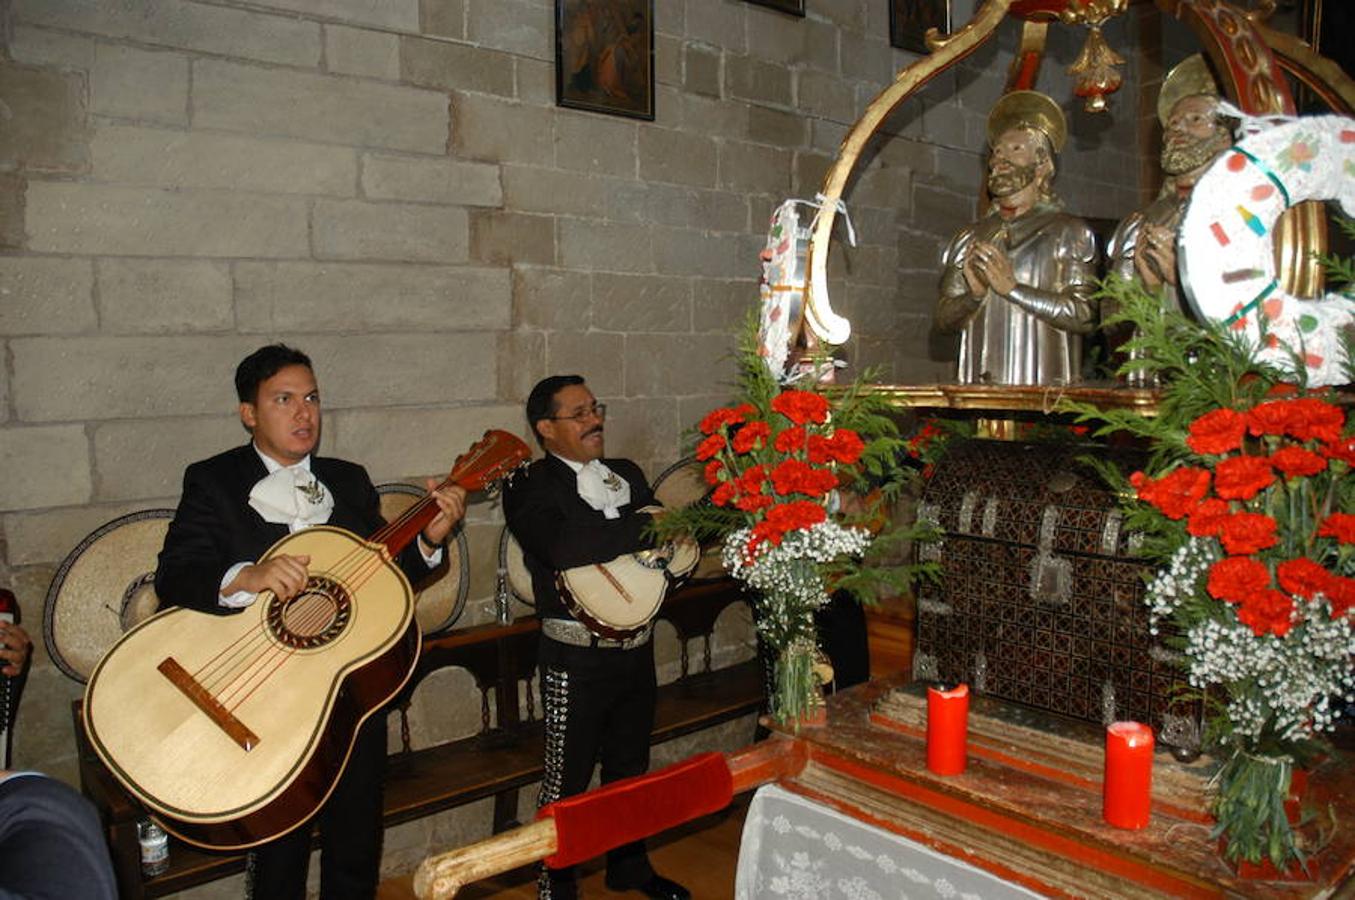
<point x="580" y="519"/>
<point x="217" y="559"/>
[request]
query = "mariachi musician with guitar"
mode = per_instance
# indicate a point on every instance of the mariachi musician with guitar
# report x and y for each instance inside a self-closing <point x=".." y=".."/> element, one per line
<point x="581" y="522"/>
<point x="234" y="507"/>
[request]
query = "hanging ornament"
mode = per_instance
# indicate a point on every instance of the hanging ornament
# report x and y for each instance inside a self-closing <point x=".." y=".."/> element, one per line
<point x="1095" y="70"/>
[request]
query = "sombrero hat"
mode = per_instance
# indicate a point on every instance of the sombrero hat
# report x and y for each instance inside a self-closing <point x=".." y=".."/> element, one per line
<point x="514" y="579"/>
<point x="1029" y="109"/>
<point x="103" y="588"/>
<point x="682" y="484"/>
<point x="438" y="606"/>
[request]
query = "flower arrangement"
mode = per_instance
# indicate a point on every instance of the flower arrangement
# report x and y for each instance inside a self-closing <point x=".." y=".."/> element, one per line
<point x="1247" y="509"/>
<point x="801" y="479"/>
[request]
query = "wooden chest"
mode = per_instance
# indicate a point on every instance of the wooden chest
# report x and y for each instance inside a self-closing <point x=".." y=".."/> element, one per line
<point x="1040" y="600"/>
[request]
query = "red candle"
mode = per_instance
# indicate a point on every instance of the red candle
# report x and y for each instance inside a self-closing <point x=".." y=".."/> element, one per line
<point x="1127" y="790"/>
<point x="947" y="729"/>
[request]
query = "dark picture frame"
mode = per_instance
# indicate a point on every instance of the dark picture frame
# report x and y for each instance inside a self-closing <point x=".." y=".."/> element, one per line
<point x="791" y="7"/>
<point x="604" y="56"/>
<point x="910" y="19"/>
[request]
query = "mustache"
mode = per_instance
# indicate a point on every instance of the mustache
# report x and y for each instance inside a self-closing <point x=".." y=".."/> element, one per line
<point x="592" y="431"/>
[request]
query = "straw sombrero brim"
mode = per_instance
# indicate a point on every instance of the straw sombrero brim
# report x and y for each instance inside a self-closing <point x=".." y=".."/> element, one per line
<point x="438" y="606"/>
<point x="682" y="484"/>
<point x="103" y="587"/>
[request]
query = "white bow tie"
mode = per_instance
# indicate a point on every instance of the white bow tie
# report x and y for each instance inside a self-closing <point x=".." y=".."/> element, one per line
<point x="603" y="489"/>
<point x="292" y="496"/>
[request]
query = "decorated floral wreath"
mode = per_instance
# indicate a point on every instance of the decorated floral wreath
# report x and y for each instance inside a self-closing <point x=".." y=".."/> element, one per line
<point x="1226" y="237"/>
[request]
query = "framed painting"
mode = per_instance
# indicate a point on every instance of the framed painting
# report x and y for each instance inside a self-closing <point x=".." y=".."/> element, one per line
<point x="604" y="56"/>
<point x="910" y="19"/>
<point x="794" y="7"/>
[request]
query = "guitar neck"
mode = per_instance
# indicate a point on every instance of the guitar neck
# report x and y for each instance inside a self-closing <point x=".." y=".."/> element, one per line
<point x="397" y="535"/>
<point x="493" y="456"/>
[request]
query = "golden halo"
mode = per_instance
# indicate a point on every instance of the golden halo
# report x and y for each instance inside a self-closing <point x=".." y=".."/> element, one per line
<point x="1187" y="78"/>
<point x="1030" y="109"/>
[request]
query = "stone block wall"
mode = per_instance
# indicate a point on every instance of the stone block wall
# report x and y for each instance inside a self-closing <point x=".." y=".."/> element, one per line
<point x="391" y="187"/>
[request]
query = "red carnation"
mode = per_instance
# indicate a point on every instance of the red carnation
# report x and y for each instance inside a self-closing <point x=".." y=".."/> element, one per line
<point x="801" y="406"/>
<point x="1217" y="432"/>
<point x="786" y="517"/>
<point x="1343" y="449"/>
<point x="795" y="477"/>
<point x="846" y="446"/>
<point x="796" y="515"/>
<point x="713" y="470"/>
<point x="820" y="449"/>
<point x="1237" y="577"/>
<point x="1313" y="419"/>
<point x="1242" y="477"/>
<point x="751" y="436"/>
<point x="791" y="440"/>
<point x="723" y="494"/>
<point x="1341" y="594"/>
<point x="725" y="415"/>
<point x="752" y="479"/>
<point x="1267" y="612"/>
<point x="1302" y="577"/>
<point x="1247" y="532"/>
<point x="1340" y="526"/>
<point x="1174" y="494"/>
<point x="1207" y="519"/>
<point x="764" y="531"/>
<point x="753" y="502"/>
<point x="1296" y="462"/>
<point x="710" y="446"/>
<point x="1271" y="417"/>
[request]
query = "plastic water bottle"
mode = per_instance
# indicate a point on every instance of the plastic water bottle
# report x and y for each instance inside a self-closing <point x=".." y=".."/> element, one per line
<point x="154" y="848"/>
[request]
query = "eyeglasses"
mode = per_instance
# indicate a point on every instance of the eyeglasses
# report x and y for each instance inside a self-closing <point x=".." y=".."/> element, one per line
<point x="598" y="410"/>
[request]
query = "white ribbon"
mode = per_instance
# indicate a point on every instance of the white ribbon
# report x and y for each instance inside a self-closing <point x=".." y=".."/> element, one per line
<point x="1250" y="124"/>
<point x="840" y="205"/>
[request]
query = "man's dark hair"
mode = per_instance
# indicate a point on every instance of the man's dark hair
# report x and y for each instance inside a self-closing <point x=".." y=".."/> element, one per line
<point x="541" y="401"/>
<point x="262" y="365"/>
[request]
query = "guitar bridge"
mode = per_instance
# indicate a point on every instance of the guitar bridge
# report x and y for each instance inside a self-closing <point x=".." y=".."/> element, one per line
<point x="210" y="706"/>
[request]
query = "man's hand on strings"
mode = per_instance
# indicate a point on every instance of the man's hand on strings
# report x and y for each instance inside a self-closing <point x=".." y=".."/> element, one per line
<point x="451" y="501"/>
<point x="284" y="575"/>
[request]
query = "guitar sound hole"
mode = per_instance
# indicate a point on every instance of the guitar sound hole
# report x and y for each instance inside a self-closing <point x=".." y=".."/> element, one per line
<point x="312" y="618"/>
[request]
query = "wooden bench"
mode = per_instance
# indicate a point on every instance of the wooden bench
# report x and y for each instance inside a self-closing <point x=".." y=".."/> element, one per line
<point x="502" y="758"/>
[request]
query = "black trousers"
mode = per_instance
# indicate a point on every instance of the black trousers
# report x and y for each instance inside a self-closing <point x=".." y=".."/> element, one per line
<point x="350" y="834"/>
<point x="598" y="704"/>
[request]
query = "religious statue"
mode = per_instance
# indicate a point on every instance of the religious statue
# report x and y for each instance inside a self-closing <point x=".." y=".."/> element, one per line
<point x="1143" y="247"/>
<point x="1017" y="284"/>
<point x="1194" y="134"/>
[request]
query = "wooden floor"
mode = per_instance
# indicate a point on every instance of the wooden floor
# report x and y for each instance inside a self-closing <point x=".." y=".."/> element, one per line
<point x="701" y="855"/>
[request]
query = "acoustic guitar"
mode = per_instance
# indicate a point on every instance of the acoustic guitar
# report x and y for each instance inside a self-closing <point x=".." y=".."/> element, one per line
<point x="234" y="729"/>
<point x="618" y="598"/>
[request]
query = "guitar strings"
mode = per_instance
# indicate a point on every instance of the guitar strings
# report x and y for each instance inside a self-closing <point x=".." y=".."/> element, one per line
<point x="245" y="665"/>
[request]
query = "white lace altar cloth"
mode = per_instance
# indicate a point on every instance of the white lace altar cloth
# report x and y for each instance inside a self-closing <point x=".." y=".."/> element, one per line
<point x="801" y="850"/>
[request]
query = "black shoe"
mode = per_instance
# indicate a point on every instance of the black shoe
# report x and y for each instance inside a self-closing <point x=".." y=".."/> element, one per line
<point x="658" y="888"/>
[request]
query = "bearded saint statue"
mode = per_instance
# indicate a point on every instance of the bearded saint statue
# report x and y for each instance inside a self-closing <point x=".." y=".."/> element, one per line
<point x="1194" y="134"/>
<point x="1017" y="284"/>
